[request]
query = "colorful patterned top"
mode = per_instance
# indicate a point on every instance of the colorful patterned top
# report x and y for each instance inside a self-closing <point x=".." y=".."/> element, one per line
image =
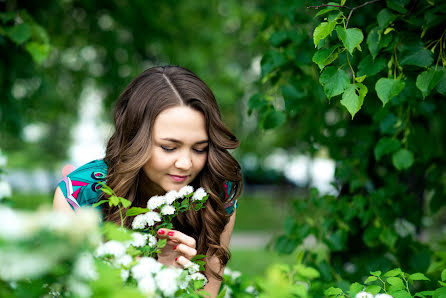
<point x="81" y="187"/>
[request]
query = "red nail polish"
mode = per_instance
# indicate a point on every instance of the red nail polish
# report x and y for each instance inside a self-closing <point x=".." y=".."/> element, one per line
<point x="176" y="259"/>
<point x="170" y="233"/>
<point x="160" y="232"/>
<point x="175" y="247"/>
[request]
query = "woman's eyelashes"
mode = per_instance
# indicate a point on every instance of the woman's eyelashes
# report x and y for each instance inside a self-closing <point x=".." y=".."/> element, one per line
<point x="171" y="149"/>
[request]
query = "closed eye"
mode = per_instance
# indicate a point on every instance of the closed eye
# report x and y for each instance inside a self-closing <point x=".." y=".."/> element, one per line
<point x="167" y="149"/>
<point x="200" y="151"/>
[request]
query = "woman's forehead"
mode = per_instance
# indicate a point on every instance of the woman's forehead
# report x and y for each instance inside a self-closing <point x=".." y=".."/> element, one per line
<point x="182" y="124"/>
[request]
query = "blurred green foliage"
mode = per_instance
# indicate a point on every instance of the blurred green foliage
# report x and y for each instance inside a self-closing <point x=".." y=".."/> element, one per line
<point x="365" y="84"/>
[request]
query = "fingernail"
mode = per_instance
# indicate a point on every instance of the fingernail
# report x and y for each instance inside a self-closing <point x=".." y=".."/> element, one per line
<point x="160" y="232"/>
<point x="175" y="247"/>
<point x="170" y="233"/>
<point x="176" y="259"/>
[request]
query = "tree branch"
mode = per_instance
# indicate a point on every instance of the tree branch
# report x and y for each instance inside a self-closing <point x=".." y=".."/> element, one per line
<point x="328" y="5"/>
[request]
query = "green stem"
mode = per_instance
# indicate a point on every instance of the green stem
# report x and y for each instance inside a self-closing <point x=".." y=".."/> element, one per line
<point x="120" y="214"/>
<point x="351" y="68"/>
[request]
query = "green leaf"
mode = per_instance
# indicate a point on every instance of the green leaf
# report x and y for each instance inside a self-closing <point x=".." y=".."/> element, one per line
<point x="351" y="38"/>
<point x="417" y="55"/>
<point x="270" y="61"/>
<point x="7" y="16"/>
<point x="355" y="288"/>
<point x="328" y="9"/>
<point x="441" y="87"/>
<point x="400" y="294"/>
<point x="273" y="118"/>
<point x="114" y="200"/>
<point x="161" y="243"/>
<point x="385" y="18"/>
<point x="398" y="5"/>
<point x="307" y="272"/>
<point x="334" y="81"/>
<point x="376" y="273"/>
<point x="353" y="98"/>
<point x="402" y="159"/>
<point x="332" y="291"/>
<point x="112" y="231"/>
<point x="370" y="279"/>
<point x="125" y="203"/>
<point x="322" y="31"/>
<point x="257" y="102"/>
<point x="360" y="79"/>
<point x="443" y="275"/>
<point x="427" y="80"/>
<point x="388" y="88"/>
<point x="39" y="52"/>
<point x="393" y="272"/>
<point x="99" y="203"/>
<point x="19" y="33"/>
<point x="373" y="289"/>
<point x="373" y="41"/>
<point x="396" y="282"/>
<point x="371" y="67"/>
<point x="135" y="211"/>
<point x="323" y="57"/>
<point x="418" y="276"/>
<point x="386" y="146"/>
<point x="388" y="237"/>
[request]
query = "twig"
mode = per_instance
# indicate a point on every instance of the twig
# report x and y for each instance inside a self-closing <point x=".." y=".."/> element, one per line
<point x="340" y="6"/>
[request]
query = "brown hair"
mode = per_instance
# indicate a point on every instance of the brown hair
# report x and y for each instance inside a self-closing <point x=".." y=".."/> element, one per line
<point x="155" y="90"/>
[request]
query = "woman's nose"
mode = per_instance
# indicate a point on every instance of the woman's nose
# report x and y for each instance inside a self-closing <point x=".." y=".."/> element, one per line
<point x="184" y="162"/>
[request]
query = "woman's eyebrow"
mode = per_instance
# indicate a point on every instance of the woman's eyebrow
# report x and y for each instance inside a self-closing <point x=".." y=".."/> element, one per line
<point x="179" y="142"/>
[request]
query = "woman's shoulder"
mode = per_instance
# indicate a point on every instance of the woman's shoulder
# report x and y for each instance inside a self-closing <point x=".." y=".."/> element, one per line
<point x="81" y="186"/>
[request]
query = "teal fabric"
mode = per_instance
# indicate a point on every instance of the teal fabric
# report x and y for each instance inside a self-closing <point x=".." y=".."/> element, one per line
<point x="81" y="187"/>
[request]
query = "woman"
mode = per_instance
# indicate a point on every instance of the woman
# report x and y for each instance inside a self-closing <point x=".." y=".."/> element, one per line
<point x="168" y="134"/>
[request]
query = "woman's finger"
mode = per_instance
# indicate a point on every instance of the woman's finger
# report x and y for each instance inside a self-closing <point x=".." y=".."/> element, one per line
<point x="177" y="236"/>
<point x="183" y="261"/>
<point x="185" y="250"/>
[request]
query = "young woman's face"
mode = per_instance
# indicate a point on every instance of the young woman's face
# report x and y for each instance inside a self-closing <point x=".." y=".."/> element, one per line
<point x="179" y="148"/>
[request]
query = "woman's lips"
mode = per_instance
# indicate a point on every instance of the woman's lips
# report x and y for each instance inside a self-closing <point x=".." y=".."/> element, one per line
<point x="178" y="178"/>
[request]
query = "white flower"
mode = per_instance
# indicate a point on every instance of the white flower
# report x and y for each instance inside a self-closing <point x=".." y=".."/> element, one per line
<point x="185" y="190"/>
<point x="192" y="267"/>
<point x="233" y="274"/>
<point x="171" y="196"/>
<point x="139" y="239"/>
<point x="197" y="276"/>
<point x="167" y="280"/>
<point x="199" y="194"/>
<point x="145" y="266"/>
<point x="125" y="274"/>
<point x="124" y="260"/>
<point x="78" y="288"/>
<point x="250" y="290"/>
<point x="84" y="267"/>
<point x="152" y="217"/>
<point x="112" y="247"/>
<point x="147" y="285"/>
<point x="383" y="296"/>
<point x="5" y="190"/>
<point x="404" y="228"/>
<point x="141" y="220"/>
<point x="167" y="210"/>
<point x="155" y="202"/>
<point x="152" y="241"/>
<point x="363" y="295"/>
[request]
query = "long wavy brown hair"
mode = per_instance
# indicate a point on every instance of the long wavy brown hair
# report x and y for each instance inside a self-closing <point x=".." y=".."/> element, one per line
<point x="152" y="92"/>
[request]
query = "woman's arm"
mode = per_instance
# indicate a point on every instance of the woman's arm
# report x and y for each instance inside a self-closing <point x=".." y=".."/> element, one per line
<point x="60" y="202"/>
<point x="213" y="285"/>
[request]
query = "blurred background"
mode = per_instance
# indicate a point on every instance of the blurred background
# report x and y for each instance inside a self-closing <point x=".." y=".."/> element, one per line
<point x="64" y="63"/>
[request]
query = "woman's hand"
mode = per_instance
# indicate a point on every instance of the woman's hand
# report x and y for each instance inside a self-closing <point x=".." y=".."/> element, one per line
<point x="179" y="250"/>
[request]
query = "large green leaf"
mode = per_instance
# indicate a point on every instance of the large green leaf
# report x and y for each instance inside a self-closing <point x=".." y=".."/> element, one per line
<point x="417" y="55"/>
<point x="334" y="81"/>
<point x="369" y="67"/>
<point x="351" y="37"/>
<point x="402" y="159"/>
<point x="273" y="118"/>
<point x="398" y="5"/>
<point x="385" y="18"/>
<point x="427" y="80"/>
<point x="353" y="97"/>
<point x="441" y="87"/>
<point x="322" y="31"/>
<point x="373" y="41"/>
<point x="38" y="51"/>
<point x="323" y="57"/>
<point x="19" y="33"/>
<point x="388" y="88"/>
<point x="386" y="146"/>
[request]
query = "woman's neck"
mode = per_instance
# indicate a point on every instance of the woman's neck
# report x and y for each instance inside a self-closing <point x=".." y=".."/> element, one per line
<point x="148" y="189"/>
